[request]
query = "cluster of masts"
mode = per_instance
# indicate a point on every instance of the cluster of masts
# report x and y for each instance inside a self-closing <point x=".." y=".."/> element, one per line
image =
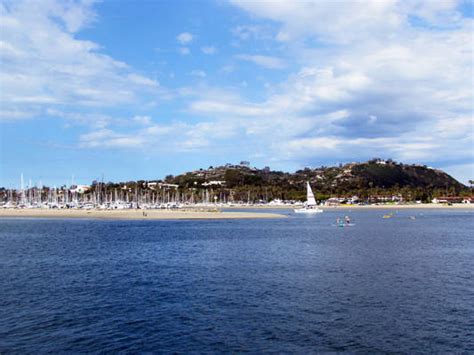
<point x="100" y="197"/>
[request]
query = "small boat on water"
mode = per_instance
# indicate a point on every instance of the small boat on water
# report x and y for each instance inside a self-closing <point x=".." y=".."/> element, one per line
<point x="310" y="204"/>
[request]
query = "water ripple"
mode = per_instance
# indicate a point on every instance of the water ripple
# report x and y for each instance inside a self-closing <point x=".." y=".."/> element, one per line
<point x="293" y="285"/>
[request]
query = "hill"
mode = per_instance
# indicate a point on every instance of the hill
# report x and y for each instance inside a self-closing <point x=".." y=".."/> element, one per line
<point x="374" y="177"/>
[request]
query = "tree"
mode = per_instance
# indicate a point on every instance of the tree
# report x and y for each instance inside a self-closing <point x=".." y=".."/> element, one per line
<point x="233" y="177"/>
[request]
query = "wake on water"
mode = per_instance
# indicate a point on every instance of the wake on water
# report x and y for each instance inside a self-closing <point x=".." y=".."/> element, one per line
<point x="344" y="225"/>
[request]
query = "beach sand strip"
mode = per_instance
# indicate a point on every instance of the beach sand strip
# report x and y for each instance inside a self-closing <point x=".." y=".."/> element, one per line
<point x="133" y="214"/>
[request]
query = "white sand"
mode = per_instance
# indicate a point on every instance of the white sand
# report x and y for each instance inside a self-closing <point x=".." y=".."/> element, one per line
<point x="133" y="214"/>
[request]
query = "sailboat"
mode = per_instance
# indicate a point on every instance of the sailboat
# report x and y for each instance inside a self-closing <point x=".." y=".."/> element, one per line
<point x="310" y="204"/>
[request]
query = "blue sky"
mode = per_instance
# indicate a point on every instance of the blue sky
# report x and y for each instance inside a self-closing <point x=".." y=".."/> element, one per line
<point x="141" y="89"/>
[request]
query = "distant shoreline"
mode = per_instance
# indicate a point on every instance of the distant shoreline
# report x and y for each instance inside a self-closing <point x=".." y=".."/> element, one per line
<point x="200" y="214"/>
<point x="132" y="214"/>
<point x="365" y="207"/>
<point x="411" y="206"/>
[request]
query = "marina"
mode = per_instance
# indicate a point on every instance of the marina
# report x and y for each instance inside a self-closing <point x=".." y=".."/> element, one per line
<point x="165" y="197"/>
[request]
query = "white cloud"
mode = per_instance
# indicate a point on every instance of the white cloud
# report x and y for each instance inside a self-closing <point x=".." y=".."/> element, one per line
<point x="248" y="32"/>
<point x="15" y="114"/>
<point x="227" y="69"/>
<point x="44" y="64"/>
<point x="263" y="61"/>
<point x="184" y="38"/>
<point x="345" y="21"/>
<point x="184" y="51"/>
<point x="209" y="50"/>
<point x="109" y="139"/>
<point x="172" y="137"/>
<point x="198" y="73"/>
<point x="144" y="120"/>
<point x="141" y="80"/>
<point x="334" y="19"/>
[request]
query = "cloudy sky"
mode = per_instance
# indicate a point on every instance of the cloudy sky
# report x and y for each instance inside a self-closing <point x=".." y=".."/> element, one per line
<point x="141" y="89"/>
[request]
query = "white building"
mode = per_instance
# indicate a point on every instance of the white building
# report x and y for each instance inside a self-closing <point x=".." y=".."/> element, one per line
<point x="80" y="189"/>
<point x="214" y="183"/>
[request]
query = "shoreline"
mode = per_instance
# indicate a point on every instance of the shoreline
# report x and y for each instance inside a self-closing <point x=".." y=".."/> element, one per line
<point x="364" y="207"/>
<point x="199" y="214"/>
<point x="133" y="214"/>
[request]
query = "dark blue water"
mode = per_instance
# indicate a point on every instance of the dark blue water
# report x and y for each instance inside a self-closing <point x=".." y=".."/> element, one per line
<point x="293" y="285"/>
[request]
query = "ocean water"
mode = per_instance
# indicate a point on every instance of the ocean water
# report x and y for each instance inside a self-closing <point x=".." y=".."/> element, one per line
<point x="292" y="285"/>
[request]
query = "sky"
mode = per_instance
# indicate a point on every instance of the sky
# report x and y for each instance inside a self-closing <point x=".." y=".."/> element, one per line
<point x="126" y="90"/>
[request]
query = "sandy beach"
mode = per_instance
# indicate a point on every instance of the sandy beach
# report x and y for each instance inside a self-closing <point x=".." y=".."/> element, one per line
<point x="133" y="214"/>
<point x="201" y="214"/>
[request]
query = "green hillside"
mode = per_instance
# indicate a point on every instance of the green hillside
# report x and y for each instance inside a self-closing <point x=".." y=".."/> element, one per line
<point x="375" y="177"/>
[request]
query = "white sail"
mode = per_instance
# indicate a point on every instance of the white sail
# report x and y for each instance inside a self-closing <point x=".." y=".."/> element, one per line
<point x="310" y="205"/>
<point x="310" y="200"/>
